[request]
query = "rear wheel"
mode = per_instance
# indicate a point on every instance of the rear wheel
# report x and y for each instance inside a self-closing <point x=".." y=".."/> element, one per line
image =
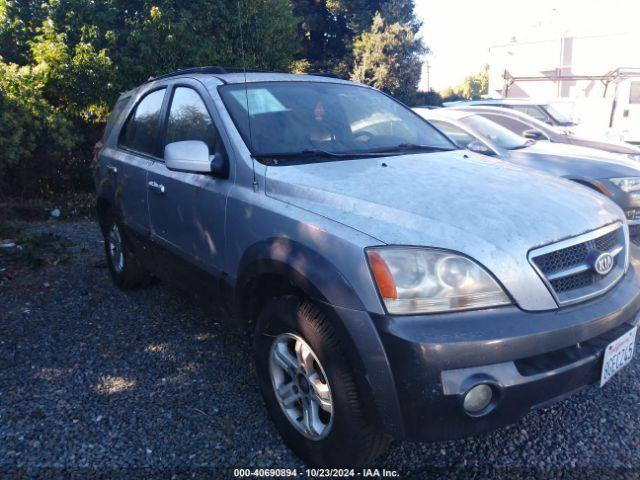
<point x="126" y="272"/>
<point x="310" y="389"/>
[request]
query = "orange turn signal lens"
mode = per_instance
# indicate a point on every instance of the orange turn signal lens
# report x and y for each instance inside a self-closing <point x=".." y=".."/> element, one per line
<point x="382" y="275"/>
<point x="602" y="188"/>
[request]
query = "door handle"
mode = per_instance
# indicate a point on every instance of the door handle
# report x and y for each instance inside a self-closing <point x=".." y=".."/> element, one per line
<point x="112" y="169"/>
<point x="156" y="187"/>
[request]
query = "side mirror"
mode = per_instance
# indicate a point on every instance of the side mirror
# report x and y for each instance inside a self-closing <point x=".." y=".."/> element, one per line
<point x="188" y="156"/>
<point x="220" y="165"/>
<point x="478" y="147"/>
<point x="534" y="134"/>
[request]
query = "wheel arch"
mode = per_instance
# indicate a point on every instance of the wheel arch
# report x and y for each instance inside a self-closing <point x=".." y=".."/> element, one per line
<point x="265" y="275"/>
<point x="104" y="208"/>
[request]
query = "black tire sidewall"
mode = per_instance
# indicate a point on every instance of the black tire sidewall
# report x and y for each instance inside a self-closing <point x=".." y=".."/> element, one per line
<point x="341" y="447"/>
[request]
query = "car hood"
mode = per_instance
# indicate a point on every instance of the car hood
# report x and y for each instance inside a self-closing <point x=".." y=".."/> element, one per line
<point x="485" y="208"/>
<point x="574" y="161"/>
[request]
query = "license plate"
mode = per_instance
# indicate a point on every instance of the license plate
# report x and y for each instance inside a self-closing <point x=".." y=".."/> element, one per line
<point x="618" y="354"/>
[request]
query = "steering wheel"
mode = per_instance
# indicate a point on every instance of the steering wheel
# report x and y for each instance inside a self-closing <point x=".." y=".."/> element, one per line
<point x="363" y="136"/>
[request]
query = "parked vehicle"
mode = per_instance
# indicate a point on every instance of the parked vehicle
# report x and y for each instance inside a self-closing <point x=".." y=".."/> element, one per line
<point x="395" y="285"/>
<point x="542" y="111"/>
<point x="609" y="174"/>
<point x="529" y="127"/>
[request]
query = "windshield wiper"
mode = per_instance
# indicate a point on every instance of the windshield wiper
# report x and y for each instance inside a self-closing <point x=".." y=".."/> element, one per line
<point x="409" y="147"/>
<point x="315" y="153"/>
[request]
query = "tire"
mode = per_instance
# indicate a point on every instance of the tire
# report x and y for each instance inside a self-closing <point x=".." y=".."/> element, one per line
<point x="343" y="438"/>
<point x="125" y="270"/>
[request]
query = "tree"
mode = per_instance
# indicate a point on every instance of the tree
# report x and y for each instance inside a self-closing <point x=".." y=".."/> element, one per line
<point x="388" y="57"/>
<point x="472" y="88"/>
<point x="426" y="98"/>
<point x="74" y="56"/>
<point x="327" y="29"/>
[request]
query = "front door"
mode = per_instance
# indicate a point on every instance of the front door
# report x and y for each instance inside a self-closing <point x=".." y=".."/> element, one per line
<point x="187" y="210"/>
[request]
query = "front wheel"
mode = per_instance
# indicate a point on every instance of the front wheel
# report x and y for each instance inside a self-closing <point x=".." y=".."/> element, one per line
<point x="310" y="389"/>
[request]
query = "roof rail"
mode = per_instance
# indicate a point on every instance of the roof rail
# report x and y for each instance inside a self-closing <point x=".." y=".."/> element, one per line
<point x="182" y="71"/>
<point x="325" y="74"/>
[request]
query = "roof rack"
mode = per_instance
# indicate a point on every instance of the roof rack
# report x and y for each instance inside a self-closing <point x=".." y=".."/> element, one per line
<point x="325" y="74"/>
<point x="217" y="70"/>
<point x="181" y="71"/>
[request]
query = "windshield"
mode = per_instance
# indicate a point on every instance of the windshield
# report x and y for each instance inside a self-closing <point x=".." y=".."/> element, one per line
<point x="558" y="115"/>
<point x="290" y="118"/>
<point x="495" y="133"/>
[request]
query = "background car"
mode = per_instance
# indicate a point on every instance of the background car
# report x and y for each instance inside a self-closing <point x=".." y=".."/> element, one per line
<point x="527" y="126"/>
<point x="609" y="174"/>
<point x="542" y="111"/>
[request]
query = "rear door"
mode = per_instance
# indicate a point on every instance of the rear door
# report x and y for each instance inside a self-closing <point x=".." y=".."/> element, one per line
<point x="104" y="151"/>
<point x="187" y="210"/>
<point x="136" y="151"/>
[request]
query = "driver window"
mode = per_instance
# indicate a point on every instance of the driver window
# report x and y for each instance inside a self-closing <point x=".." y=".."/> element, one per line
<point x="509" y="123"/>
<point x="532" y="112"/>
<point x="190" y="120"/>
<point x="455" y="134"/>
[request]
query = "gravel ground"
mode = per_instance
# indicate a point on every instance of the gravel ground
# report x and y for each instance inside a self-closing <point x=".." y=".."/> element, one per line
<point x="98" y="382"/>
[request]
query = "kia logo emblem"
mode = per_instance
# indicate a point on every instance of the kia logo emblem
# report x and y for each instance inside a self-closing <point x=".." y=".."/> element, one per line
<point x="603" y="264"/>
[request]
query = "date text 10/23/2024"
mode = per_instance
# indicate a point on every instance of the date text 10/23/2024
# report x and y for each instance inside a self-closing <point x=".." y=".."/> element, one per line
<point x="316" y="472"/>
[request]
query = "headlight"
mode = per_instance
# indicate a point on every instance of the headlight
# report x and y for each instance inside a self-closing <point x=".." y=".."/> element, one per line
<point x="628" y="184"/>
<point x="634" y="156"/>
<point x="419" y="280"/>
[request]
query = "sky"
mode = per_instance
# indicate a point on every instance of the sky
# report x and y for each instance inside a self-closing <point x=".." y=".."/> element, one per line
<point x="459" y="33"/>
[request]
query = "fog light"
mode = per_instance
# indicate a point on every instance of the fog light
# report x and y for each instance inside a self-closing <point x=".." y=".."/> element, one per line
<point x="478" y="398"/>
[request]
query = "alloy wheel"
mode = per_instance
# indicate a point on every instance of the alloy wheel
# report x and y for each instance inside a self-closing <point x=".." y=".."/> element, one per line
<point x="301" y="386"/>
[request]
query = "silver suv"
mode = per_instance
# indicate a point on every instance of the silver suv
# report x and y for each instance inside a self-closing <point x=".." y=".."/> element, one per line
<point x="395" y="286"/>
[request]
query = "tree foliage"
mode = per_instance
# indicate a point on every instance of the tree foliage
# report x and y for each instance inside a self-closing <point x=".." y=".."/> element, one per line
<point x="387" y="56"/>
<point x="63" y="62"/>
<point x="34" y="136"/>
<point x="472" y="88"/>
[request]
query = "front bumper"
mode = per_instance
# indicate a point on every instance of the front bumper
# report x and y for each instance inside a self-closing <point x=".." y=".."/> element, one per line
<point x="531" y="359"/>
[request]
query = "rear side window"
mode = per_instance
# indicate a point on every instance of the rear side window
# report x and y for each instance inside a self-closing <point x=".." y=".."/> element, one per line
<point x="532" y="112"/>
<point x="509" y="123"/>
<point x="121" y="103"/>
<point x="141" y="130"/>
<point x="634" y="94"/>
<point x="190" y="120"/>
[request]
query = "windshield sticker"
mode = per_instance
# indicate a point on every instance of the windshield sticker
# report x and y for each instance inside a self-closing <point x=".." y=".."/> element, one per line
<point x="261" y="101"/>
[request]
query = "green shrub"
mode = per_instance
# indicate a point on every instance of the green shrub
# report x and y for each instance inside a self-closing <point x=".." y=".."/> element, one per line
<point x="35" y="138"/>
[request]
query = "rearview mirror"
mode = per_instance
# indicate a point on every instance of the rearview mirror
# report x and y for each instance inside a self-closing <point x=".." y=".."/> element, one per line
<point x="188" y="156"/>
<point x="479" y="147"/>
<point x="534" y="134"/>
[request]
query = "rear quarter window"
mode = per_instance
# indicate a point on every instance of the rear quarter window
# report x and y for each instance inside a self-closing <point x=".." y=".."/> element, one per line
<point x="117" y="110"/>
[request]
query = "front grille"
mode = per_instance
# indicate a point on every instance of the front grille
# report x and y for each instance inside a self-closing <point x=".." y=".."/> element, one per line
<point x="568" y="267"/>
<point x="577" y="280"/>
